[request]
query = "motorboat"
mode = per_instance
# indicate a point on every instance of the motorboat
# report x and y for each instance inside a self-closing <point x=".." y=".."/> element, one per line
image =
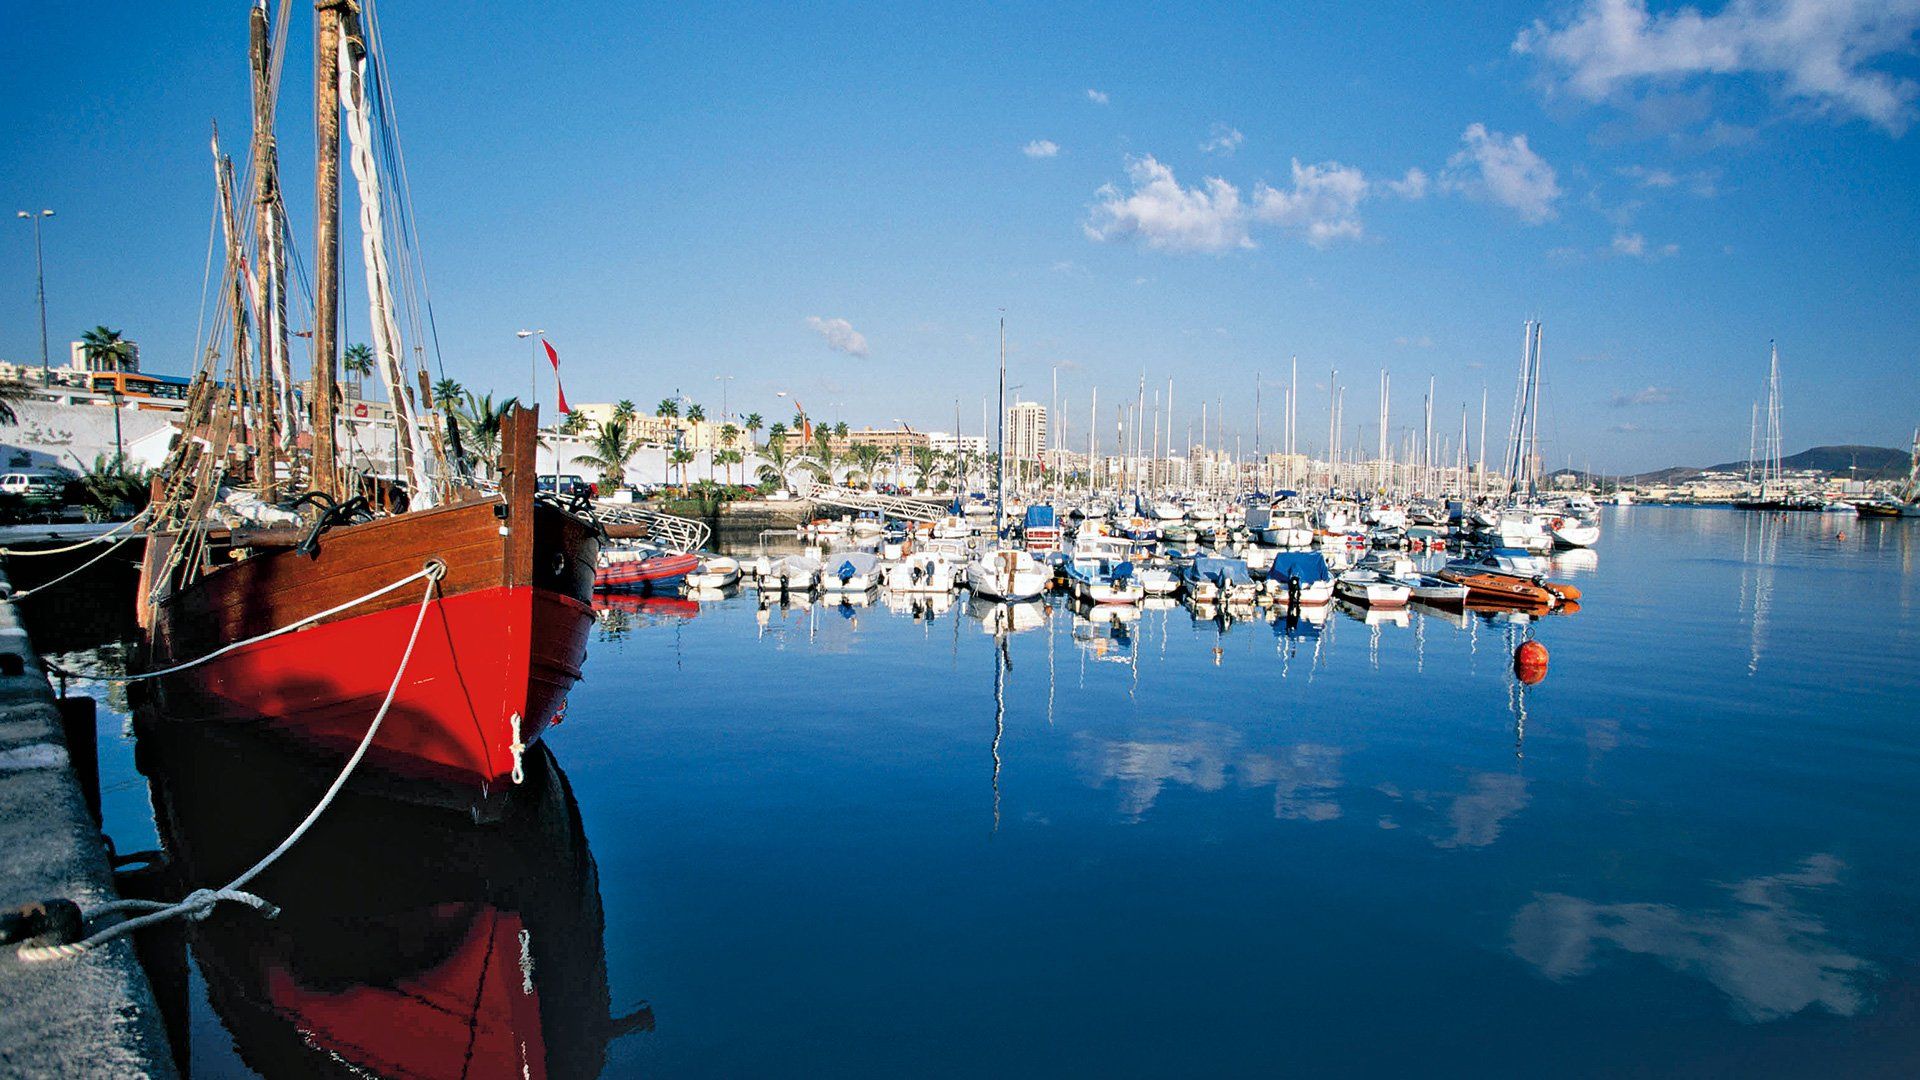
<point x="792" y="573"/>
<point x="849" y="571"/>
<point x="1104" y="581"/>
<point x="1300" y="577"/>
<point x="1157" y="580"/>
<point x="1213" y="579"/>
<point x="1498" y="578"/>
<point x="923" y="572"/>
<point x="1574" y="532"/>
<point x="1041" y="529"/>
<point x="1435" y="590"/>
<point x="1371" y="589"/>
<point x="715" y="572"/>
<point x="1167" y="510"/>
<point x="643" y="570"/>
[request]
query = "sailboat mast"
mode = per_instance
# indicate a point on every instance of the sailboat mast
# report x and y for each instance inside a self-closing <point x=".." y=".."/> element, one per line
<point x="1000" y="458"/>
<point x="273" y="301"/>
<point x="328" y="15"/>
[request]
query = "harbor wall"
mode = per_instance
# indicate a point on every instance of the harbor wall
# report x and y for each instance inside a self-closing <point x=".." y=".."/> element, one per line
<point x="95" y="1015"/>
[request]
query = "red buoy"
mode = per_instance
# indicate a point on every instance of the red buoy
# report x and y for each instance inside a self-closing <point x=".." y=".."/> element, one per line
<point x="1530" y="662"/>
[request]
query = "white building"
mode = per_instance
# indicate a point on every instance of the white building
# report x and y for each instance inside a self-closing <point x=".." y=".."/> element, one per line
<point x="948" y="443"/>
<point x="1026" y="431"/>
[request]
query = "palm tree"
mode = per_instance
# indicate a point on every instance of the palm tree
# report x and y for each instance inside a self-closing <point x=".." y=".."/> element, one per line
<point x="840" y="430"/>
<point x="447" y="394"/>
<point x="481" y="421"/>
<point x="823" y="453"/>
<point x="774" y="472"/>
<point x="753" y="424"/>
<point x="799" y="422"/>
<point x="728" y="458"/>
<point x="681" y="458"/>
<point x="867" y="456"/>
<point x="668" y="409"/>
<point x="777" y="434"/>
<point x="729" y="434"/>
<point x="696" y="413"/>
<point x="611" y="449"/>
<point x="357" y="360"/>
<point x="105" y="348"/>
<point x="925" y="458"/>
<point x="10" y="392"/>
<point x="574" y="424"/>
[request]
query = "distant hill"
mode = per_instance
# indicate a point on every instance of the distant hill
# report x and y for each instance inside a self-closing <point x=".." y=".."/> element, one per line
<point x="1865" y="462"/>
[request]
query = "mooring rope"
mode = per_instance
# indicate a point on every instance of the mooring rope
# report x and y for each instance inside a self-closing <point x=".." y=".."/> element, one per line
<point x="199" y="904"/>
<point x="17" y="553"/>
<point x="116" y="546"/>
<point x="434" y="569"/>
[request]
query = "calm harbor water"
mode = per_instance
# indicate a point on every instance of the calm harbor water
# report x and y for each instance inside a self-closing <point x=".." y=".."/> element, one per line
<point x="859" y="840"/>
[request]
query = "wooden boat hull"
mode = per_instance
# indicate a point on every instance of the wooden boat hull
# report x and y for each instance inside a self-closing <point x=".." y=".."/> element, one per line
<point x="1503" y="590"/>
<point x="500" y="648"/>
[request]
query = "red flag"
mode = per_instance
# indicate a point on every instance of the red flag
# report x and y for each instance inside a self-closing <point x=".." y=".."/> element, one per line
<point x="561" y="390"/>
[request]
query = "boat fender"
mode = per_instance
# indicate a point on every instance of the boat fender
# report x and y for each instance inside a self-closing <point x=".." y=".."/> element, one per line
<point x="846" y="572"/>
<point x="1293" y="593"/>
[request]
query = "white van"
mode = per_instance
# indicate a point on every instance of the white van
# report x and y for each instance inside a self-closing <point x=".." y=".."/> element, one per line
<point x="34" y="487"/>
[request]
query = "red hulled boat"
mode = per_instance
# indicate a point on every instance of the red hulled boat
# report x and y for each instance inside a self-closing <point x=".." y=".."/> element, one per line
<point x="237" y="556"/>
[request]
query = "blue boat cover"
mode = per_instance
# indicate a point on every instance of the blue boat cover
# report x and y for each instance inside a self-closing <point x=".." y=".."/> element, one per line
<point x="1224" y="571"/>
<point x="1040" y="517"/>
<point x="1308" y="566"/>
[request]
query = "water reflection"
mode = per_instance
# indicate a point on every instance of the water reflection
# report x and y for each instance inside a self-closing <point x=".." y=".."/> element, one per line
<point x="1206" y="757"/>
<point x="1771" y="958"/>
<point x="411" y="942"/>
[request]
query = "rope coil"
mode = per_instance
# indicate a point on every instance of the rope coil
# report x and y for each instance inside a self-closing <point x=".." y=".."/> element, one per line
<point x="199" y="904"/>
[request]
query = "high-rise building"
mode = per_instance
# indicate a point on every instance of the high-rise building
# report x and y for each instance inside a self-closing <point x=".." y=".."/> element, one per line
<point x="1026" y="431"/>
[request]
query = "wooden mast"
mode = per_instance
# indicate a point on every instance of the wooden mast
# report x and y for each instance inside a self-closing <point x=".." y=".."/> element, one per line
<point x="329" y="15"/>
<point x="268" y="236"/>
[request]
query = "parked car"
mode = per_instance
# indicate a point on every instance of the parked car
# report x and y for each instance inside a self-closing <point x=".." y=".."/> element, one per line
<point x="570" y="485"/>
<point x="34" y="487"/>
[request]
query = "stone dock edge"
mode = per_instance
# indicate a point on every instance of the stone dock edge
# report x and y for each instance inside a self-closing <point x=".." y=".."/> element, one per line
<point x="95" y="1015"/>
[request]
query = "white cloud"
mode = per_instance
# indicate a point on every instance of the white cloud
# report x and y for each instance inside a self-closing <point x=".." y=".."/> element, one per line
<point x="1634" y="246"/>
<point x="1503" y="170"/>
<point x="1041" y="148"/>
<point x="1222" y="140"/>
<point x="1652" y="395"/>
<point x="1821" y="52"/>
<point x="1165" y="216"/>
<point x="1098" y="97"/>
<point x="1701" y="183"/>
<point x="1412" y="186"/>
<point x="840" y="335"/>
<point x="1324" y="202"/>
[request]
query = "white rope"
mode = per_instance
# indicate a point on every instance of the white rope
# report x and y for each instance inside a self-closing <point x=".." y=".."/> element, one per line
<point x="117" y="544"/>
<point x="199" y="904"/>
<point x="16" y="553"/>
<point x="434" y="569"/>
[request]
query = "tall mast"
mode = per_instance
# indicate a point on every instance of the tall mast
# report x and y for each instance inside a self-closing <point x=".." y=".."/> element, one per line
<point x="1000" y="459"/>
<point x="328" y="15"/>
<point x="1480" y="469"/>
<point x="273" y="301"/>
<point x="1093" y="438"/>
<point x="1333" y="421"/>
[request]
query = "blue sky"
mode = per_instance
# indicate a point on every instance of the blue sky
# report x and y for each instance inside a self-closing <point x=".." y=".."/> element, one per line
<point x="1198" y="192"/>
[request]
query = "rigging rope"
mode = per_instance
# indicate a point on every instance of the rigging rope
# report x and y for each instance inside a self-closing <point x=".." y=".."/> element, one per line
<point x="199" y="904"/>
<point x="117" y="544"/>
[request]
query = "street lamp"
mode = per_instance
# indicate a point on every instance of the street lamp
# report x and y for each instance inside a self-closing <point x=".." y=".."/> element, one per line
<point x="533" y="363"/>
<point x="723" y="380"/>
<point x="40" y="280"/>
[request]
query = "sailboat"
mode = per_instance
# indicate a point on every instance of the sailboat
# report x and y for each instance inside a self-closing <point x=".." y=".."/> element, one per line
<point x="1772" y="493"/>
<point x="1905" y="502"/>
<point x="471" y="583"/>
<point x="1003" y="570"/>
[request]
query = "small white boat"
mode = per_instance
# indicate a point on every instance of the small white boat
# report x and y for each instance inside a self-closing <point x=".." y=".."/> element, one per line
<point x="1432" y="590"/>
<point x="923" y="572"/>
<point x="792" y="573"/>
<point x="1371" y="589"/>
<point x="1304" y="571"/>
<point x="848" y="571"/>
<point x="1574" y="532"/>
<point x="716" y="572"/>
<point x="1157" y="580"/>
